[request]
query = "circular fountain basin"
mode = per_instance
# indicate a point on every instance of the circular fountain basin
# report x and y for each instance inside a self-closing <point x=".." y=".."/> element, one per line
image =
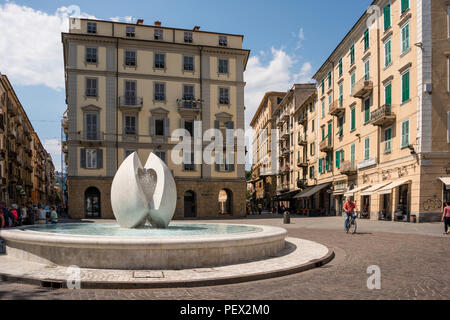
<point x="107" y="246"/>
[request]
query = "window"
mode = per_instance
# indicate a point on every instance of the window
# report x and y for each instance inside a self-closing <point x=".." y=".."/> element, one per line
<point x="352" y="55"/>
<point x="340" y="125"/>
<point x="341" y="94"/>
<point x="353" y="153"/>
<point x="312" y="125"/>
<point x="330" y="101"/>
<point x="329" y="79"/>
<point x="160" y="61"/>
<point x="223" y="41"/>
<point x="91" y="27"/>
<point x="405" y="38"/>
<point x="405" y="87"/>
<point x="158" y="34"/>
<point x="367" y="148"/>
<point x="312" y="149"/>
<point x="189" y="126"/>
<point x="130" y="58"/>
<point x="387" y="53"/>
<point x="340" y="67"/>
<point x="353" y="82"/>
<point x="353" y="119"/>
<point x="91" y="87"/>
<point x="387" y="16"/>
<point x="188" y="63"/>
<point x="91" y="159"/>
<point x="388" y="94"/>
<point x="188" y="37"/>
<point x="320" y="165"/>
<point x="387" y="140"/>
<point x="327" y="164"/>
<point x="323" y="132"/>
<point x="323" y="86"/>
<point x="130" y="31"/>
<point x="405" y="5"/>
<point x="366" y="110"/>
<point x="405" y="133"/>
<point x="188" y="161"/>
<point x="91" y="126"/>
<point x="311" y="172"/>
<point x="366" y="40"/>
<point x="338" y="158"/>
<point x="223" y="66"/>
<point x="160" y="91"/>
<point x="224" y="96"/>
<point x="323" y="108"/>
<point x="130" y="124"/>
<point x="367" y="70"/>
<point x="161" y="155"/>
<point x="279" y="100"/>
<point x="188" y="96"/>
<point x="159" y="127"/>
<point x="130" y="93"/>
<point x="91" y="55"/>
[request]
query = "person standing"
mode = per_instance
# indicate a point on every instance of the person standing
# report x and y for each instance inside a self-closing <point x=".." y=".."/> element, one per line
<point x="30" y="214"/>
<point x="446" y="217"/>
<point x="53" y="216"/>
<point x="42" y="215"/>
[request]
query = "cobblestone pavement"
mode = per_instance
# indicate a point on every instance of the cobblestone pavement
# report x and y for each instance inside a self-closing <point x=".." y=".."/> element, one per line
<point x="413" y="265"/>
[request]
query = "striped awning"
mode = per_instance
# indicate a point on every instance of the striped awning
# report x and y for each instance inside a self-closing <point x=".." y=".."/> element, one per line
<point x="388" y="189"/>
<point x="446" y="181"/>
<point x="374" y="188"/>
<point x="352" y="192"/>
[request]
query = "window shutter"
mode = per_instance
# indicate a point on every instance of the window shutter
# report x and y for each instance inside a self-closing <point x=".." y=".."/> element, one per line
<point x="99" y="159"/>
<point x="83" y="159"/>
<point x="152" y="126"/>
<point x="320" y="165"/>
<point x="338" y="158"/>
<point x="166" y="127"/>
<point x="388" y="94"/>
<point x="327" y="164"/>
<point x="387" y="17"/>
<point x="353" y="119"/>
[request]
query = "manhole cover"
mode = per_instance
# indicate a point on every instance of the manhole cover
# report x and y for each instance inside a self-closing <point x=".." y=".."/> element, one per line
<point x="148" y="274"/>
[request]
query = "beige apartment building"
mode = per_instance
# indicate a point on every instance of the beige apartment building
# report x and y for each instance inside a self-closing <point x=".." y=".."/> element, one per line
<point x="128" y="86"/>
<point x="289" y="176"/>
<point x="383" y="115"/>
<point x="264" y="174"/>
<point x="26" y="169"/>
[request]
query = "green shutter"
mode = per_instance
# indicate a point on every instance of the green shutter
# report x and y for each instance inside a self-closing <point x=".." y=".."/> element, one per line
<point x="338" y="158"/>
<point x="352" y="54"/>
<point x="387" y="53"/>
<point x="367" y="148"/>
<point x="340" y="67"/>
<point x="367" y="111"/>
<point x="387" y="140"/>
<point x="405" y="38"/>
<point x="329" y="79"/>
<point x="387" y="17"/>
<point x="353" y="120"/>
<point x="341" y="95"/>
<point x="330" y="130"/>
<point x="405" y="5"/>
<point x="388" y="94"/>
<point x="405" y="87"/>
<point x="320" y="165"/>
<point x="327" y="163"/>
<point x="405" y="133"/>
<point x="366" y="39"/>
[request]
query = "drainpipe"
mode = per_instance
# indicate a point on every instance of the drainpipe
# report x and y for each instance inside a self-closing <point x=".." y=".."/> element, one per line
<point x="201" y="99"/>
<point x="117" y="101"/>
<point x="379" y="129"/>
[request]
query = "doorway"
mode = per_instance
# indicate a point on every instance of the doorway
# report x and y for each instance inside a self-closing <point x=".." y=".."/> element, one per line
<point x="225" y="202"/>
<point x="190" y="207"/>
<point x="92" y="203"/>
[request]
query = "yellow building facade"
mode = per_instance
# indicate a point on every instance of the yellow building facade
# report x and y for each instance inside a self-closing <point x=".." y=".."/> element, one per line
<point x="128" y="87"/>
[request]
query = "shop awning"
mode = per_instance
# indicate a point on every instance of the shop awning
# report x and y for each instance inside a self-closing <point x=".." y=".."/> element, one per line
<point x="286" y="196"/>
<point x="374" y="188"/>
<point x="312" y="191"/>
<point x="446" y="181"/>
<point x="388" y="189"/>
<point x="352" y="192"/>
<point x="339" y="192"/>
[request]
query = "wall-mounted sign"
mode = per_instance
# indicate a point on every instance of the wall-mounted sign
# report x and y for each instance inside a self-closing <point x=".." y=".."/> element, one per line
<point x="367" y="163"/>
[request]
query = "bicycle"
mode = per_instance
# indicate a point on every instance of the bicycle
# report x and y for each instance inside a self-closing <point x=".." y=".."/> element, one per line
<point x="351" y="224"/>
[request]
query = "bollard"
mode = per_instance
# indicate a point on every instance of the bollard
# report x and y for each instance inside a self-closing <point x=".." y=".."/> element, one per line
<point x="287" y="218"/>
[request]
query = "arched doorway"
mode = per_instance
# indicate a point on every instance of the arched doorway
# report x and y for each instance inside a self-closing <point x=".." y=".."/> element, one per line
<point x="92" y="203"/>
<point x="190" y="205"/>
<point x="225" y="202"/>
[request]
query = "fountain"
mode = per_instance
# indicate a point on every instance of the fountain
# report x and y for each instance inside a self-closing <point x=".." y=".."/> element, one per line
<point x="143" y="200"/>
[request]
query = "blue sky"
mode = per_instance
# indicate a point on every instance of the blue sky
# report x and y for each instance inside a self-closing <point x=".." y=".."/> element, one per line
<point x="289" y="41"/>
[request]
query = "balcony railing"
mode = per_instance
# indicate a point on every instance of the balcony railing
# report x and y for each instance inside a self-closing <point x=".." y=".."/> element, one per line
<point x="302" y="163"/>
<point x="337" y="108"/>
<point x="189" y="104"/>
<point x="348" y="168"/>
<point x="301" y="140"/>
<point x="302" y="183"/>
<point x="283" y="187"/>
<point x="131" y="102"/>
<point x="362" y="87"/>
<point x="382" y="116"/>
<point x="303" y="119"/>
<point x="285" y="134"/>
<point x="326" y="145"/>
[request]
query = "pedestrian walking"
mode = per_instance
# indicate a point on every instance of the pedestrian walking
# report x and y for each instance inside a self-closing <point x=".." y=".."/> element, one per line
<point x="446" y="217"/>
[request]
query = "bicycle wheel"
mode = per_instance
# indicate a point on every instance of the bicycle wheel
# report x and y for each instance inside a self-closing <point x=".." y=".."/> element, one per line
<point x="352" y="228"/>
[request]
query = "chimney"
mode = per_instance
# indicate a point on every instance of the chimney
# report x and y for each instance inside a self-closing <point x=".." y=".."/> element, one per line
<point x="196" y="28"/>
<point x="140" y="21"/>
<point x="158" y="23"/>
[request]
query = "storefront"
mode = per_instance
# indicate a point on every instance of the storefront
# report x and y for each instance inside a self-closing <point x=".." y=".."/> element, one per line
<point x="446" y="189"/>
<point x="339" y="189"/>
<point x="401" y="198"/>
<point x="363" y="210"/>
<point x="384" y="207"/>
<point x="322" y="192"/>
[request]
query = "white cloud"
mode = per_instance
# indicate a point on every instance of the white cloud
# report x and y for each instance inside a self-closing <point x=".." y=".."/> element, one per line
<point x="300" y="37"/>
<point x="53" y="147"/>
<point x="30" y="44"/>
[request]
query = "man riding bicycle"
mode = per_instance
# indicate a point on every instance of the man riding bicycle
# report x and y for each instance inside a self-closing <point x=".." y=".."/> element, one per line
<point x="349" y="210"/>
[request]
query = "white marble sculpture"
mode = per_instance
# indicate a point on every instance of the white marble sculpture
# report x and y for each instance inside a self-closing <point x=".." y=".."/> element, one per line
<point x="144" y="194"/>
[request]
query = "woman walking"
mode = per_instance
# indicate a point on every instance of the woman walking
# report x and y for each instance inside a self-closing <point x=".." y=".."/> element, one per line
<point x="446" y="217"/>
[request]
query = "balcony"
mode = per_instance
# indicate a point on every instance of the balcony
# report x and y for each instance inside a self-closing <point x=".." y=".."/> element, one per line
<point x="337" y="108"/>
<point x="302" y="183"/>
<point x="189" y="105"/>
<point x="285" y="135"/>
<point x="326" y="145"/>
<point x="283" y="187"/>
<point x="302" y="163"/>
<point x="362" y="88"/>
<point x="286" y="116"/>
<point x="131" y="102"/>
<point x="303" y="119"/>
<point x="285" y="152"/>
<point x="382" y="116"/>
<point x="301" y="140"/>
<point x="348" y="168"/>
